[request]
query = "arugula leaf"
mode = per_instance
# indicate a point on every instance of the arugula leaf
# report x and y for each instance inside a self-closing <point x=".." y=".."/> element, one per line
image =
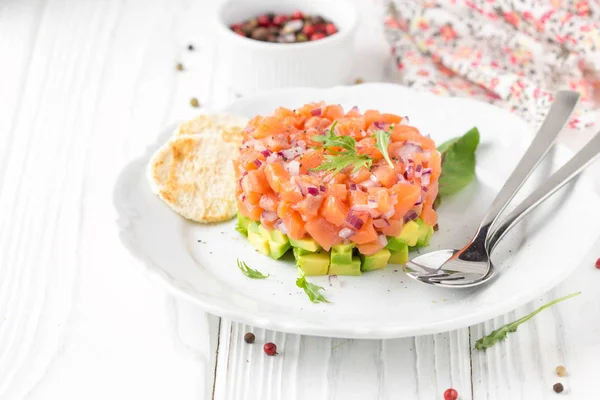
<point x="331" y="141"/>
<point x="336" y="163"/>
<point x="383" y="140"/>
<point x="500" y="334"/>
<point x="249" y="272"/>
<point x="458" y="163"/>
<point x="311" y="290"/>
<point x="339" y="160"/>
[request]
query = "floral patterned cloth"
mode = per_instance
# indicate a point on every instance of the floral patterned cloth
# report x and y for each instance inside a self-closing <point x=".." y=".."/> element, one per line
<point x="514" y="53"/>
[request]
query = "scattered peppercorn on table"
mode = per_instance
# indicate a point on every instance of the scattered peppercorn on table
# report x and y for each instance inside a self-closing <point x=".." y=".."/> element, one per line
<point x="84" y="87"/>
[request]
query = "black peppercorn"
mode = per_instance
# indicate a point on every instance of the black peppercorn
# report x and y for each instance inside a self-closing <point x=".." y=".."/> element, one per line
<point x="249" y="337"/>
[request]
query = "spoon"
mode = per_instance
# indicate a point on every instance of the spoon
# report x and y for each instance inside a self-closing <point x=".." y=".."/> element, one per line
<point x="471" y="266"/>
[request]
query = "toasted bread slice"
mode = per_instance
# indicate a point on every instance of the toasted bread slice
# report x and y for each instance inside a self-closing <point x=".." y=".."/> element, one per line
<point x="194" y="175"/>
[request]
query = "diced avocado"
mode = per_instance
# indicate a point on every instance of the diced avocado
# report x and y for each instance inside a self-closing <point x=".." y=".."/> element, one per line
<point x="314" y="263"/>
<point x="264" y="232"/>
<point x="306" y="244"/>
<point x="342" y="253"/>
<point x="298" y="252"/>
<point x="259" y="242"/>
<point x="375" y="261"/>
<point x="410" y="233"/>
<point x="396" y="244"/>
<point x="276" y="236"/>
<point x="253" y="226"/>
<point x="242" y="224"/>
<point x="399" y="257"/>
<point x="345" y="268"/>
<point x="278" y="249"/>
<point x="425" y="233"/>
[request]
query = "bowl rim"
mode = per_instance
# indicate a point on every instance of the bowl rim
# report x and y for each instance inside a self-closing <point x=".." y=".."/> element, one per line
<point x="338" y="37"/>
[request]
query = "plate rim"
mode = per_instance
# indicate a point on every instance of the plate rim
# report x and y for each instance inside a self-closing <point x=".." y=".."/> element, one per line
<point x="389" y="332"/>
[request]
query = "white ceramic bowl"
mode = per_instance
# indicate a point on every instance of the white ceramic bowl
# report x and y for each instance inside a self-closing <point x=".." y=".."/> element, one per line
<point x="256" y="66"/>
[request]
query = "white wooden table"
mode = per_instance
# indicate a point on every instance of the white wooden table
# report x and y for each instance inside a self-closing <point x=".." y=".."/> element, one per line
<point x="85" y="86"/>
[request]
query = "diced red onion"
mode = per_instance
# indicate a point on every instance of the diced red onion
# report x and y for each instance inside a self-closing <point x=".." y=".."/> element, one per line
<point x="266" y="153"/>
<point x="424" y="188"/>
<point x="293" y="167"/>
<point x="410" y="216"/>
<point x="302" y="188"/>
<point x="370" y="183"/>
<point x="383" y="240"/>
<point x="315" y="112"/>
<point x="401" y="178"/>
<point x="380" y="223"/>
<point x="406" y="175"/>
<point x="269" y="216"/>
<point x="334" y="281"/>
<point x="372" y="203"/>
<point x="266" y="203"/>
<point x="272" y="158"/>
<point x="425" y="179"/>
<point x="345" y="233"/>
<point x="322" y="188"/>
<point x="407" y="150"/>
<point x="353" y="186"/>
<point x="281" y="226"/>
<point x="418" y="171"/>
<point x="426" y="171"/>
<point x="374" y="178"/>
<point x="419" y="201"/>
<point x="292" y="153"/>
<point x="361" y="207"/>
<point x="389" y="214"/>
<point x="313" y="191"/>
<point x="302" y="144"/>
<point x="354" y="220"/>
<point x="379" y="124"/>
<point x="258" y="163"/>
<point x="259" y="146"/>
<point x="405" y="120"/>
<point x="354" y="108"/>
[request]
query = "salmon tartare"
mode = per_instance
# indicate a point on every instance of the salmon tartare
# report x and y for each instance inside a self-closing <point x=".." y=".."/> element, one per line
<point x="348" y="192"/>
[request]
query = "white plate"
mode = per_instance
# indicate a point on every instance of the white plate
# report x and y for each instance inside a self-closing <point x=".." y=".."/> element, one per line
<point x="536" y="256"/>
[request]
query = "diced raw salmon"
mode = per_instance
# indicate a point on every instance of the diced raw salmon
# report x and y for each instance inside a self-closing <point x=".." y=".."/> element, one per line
<point x="407" y="195"/>
<point x="334" y="210"/>
<point x="276" y="174"/>
<point x="370" y="248"/>
<point x="393" y="229"/>
<point x="323" y="232"/>
<point x="294" y="224"/>
<point x="257" y="181"/>
<point x="386" y="175"/>
<point x="365" y="234"/>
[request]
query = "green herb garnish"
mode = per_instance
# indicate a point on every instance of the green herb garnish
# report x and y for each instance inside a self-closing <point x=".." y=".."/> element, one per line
<point x="500" y="334"/>
<point x="311" y="290"/>
<point x="458" y="163"/>
<point x="339" y="160"/>
<point x="383" y="140"/>
<point x="249" y="272"/>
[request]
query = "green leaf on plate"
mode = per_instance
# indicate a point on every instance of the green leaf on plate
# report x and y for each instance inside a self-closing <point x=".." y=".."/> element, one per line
<point x="383" y="140"/>
<point x="249" y="272"/>
<point x="458" y="163"/>
<point x="500" y="334"/>
<point x="311" y="290"/>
